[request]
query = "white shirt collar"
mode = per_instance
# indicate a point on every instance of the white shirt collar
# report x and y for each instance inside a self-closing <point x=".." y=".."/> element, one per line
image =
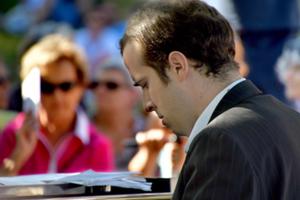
<point x="82" y="127"/>
<point x="204" y="117"/>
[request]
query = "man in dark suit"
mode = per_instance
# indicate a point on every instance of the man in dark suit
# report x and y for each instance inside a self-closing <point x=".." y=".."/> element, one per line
<point x="242" y="144"/>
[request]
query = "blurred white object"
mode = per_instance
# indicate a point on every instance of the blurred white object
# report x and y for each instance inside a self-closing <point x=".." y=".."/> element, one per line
<point x="31" y="91"/>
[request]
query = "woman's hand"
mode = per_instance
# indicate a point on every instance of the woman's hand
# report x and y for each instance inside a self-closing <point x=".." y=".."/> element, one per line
<point x="26" y="140"/>
<point x="153" y="140"/>
<point x="150" y="144"/>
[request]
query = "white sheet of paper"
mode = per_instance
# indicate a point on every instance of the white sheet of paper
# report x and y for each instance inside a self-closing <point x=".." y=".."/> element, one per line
<point x="87" y="178"/>
<point x="31" y="91"/>
<point x="36" y="179"/>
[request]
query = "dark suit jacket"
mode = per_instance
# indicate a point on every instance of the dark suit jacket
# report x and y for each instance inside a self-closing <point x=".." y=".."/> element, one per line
<point x="249" y="150"/>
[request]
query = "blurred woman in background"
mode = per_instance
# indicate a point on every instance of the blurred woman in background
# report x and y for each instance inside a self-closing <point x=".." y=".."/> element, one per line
<point x="60" y="138"/>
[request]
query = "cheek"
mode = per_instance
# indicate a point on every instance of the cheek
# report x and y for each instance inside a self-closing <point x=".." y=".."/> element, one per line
<point x="161" y="99"/>
<point x="46" y="101"/>
<point x="74" y="99"/>
<point x="153" y="96"/>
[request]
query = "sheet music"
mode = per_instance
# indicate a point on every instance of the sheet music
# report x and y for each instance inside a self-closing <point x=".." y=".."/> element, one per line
<point x="87" y="178"/>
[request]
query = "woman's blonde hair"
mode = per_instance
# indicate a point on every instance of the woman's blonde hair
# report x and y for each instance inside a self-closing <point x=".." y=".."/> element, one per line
<point x="51" y="49"/>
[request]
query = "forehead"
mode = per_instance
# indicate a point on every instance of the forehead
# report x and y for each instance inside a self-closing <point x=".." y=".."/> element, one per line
<point x="133" y="59"/>
<point x="59" y="71"/>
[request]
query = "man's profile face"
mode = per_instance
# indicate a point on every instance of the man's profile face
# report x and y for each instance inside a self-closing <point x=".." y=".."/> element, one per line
<point x="157" y="96"/>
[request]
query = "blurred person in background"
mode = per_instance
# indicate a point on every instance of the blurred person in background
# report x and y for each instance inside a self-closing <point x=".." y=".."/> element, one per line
<point x="67" y="11"/>
<point x="115" y="115"/>
<point x="60" y="137"/>
<point x="264" y="33"/>
<point x="115" y="23"/>
<point x="99" y="43"/>
<point x="161" y="152"/>
<point x="24" y="15"/>
<point x="28" y="13"/>
<point x="32" y="37"/>
<point x="288" y="71"/>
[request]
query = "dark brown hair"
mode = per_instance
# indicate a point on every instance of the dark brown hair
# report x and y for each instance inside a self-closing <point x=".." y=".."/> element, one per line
<point x="189" y="26"/>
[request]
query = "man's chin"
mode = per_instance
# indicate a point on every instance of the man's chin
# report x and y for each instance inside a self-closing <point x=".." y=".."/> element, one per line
<point x="167" y="125"/>
<point x="179" y="134"/>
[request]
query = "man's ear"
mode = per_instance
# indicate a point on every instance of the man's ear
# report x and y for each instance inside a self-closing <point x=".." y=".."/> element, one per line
<point x="178" y="64"/>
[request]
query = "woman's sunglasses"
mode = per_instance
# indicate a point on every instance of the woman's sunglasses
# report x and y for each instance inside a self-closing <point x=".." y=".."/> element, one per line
<point x="49" y="88"/>
<point x="109" y="85"/>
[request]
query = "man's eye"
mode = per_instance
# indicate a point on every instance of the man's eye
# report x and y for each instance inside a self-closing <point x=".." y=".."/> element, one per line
<point x="144" y="85"/>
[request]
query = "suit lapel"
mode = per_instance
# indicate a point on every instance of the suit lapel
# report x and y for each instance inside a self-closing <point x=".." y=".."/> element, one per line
<point x="236" y="95"/>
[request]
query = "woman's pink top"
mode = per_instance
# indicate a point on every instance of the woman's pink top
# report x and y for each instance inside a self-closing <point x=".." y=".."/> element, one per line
<point x="85" y="148"/>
